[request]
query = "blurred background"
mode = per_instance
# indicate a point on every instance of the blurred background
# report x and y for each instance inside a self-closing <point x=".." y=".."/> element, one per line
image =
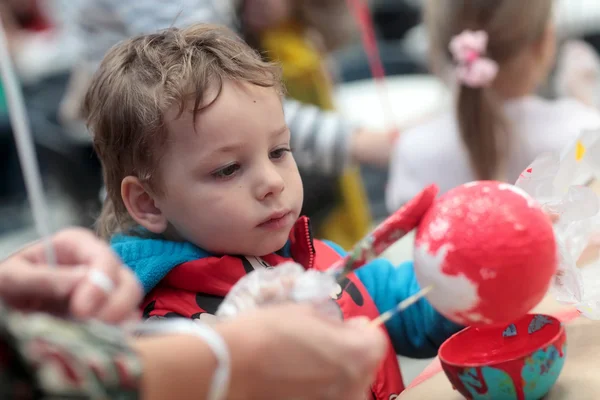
<point x="53" y="44"/>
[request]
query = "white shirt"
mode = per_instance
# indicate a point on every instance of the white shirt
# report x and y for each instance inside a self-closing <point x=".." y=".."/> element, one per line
<point x="434" y="152"/>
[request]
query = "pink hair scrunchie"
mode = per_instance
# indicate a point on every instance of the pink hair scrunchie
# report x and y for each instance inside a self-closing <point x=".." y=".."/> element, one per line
<point x="473" y="69"/>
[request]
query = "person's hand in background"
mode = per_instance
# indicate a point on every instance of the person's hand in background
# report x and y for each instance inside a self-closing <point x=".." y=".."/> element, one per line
<point x="372" y="147"/>
<point x="375" y="146"/>
<point x="89" y="281"/>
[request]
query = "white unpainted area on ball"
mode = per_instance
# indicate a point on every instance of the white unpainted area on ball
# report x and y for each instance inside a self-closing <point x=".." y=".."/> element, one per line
<point x="452" y="294"/>
<point x="471" y="184"/>
<point x="530" y="200"/>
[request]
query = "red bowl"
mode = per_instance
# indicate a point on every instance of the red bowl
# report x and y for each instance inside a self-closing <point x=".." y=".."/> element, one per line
<point x="518" y="362"/>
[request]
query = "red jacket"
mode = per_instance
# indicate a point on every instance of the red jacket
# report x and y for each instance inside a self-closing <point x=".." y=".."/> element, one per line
<point x="194" y="288"/>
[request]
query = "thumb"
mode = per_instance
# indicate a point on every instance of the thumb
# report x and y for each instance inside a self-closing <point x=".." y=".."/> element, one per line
<point x="358" y="322"/>
<point x="65" y="280"/>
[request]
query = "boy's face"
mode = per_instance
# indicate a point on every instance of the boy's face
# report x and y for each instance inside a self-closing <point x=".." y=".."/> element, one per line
<point x="232" y="186"/>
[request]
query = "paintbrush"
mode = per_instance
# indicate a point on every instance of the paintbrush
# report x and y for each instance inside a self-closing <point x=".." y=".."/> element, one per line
<point x="403" y="305"/>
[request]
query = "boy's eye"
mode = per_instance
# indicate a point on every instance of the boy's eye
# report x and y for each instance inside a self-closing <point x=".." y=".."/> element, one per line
<point x="226" y="172"/>
<point x="280" y="153"/>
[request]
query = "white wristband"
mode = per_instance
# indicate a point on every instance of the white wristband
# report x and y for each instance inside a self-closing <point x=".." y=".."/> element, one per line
<point x="220" y="381"/>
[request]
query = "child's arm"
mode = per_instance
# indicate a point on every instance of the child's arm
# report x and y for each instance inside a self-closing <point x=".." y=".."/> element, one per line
<point x="417" y="331"/>
<point x="325" y="142"/>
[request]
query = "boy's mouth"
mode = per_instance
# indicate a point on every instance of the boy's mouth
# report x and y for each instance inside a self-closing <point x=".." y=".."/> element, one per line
<point x="276" y="220"/>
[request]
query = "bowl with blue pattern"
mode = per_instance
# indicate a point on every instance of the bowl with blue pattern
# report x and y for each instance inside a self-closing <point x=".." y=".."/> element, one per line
<point x="521" y="361"/>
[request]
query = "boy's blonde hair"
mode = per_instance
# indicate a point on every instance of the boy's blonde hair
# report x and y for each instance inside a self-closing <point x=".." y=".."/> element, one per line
<point x="138" y="81"/>
<point x="511" y="25"/>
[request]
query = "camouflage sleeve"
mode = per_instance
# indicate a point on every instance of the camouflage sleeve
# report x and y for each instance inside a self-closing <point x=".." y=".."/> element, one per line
<point x="44" y="357"/>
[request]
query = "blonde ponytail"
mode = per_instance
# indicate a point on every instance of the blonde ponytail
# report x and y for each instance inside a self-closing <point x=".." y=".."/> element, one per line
<point x="483" y="130"/>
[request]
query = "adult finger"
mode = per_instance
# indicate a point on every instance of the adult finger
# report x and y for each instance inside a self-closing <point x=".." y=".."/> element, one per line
<point x="367" y="345"/>
<point x="20" y="281"/>
<point x="72" y="247"/>
<point x="81" y="247"/>
<point x="123" y="301"/>
<point x="360" y="348"/>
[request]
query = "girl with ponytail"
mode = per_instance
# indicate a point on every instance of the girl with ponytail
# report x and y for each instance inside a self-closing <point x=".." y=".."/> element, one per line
<point x="494" y="54"/>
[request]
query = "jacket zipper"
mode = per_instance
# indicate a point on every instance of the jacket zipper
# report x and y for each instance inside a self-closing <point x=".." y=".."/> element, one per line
<point x="311" y="247"/>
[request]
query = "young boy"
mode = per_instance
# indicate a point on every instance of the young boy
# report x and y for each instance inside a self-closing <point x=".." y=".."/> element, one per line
<point x="203" y="187"/>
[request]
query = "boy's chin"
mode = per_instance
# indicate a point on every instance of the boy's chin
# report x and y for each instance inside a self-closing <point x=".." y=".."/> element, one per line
<point x="271" y="245"/>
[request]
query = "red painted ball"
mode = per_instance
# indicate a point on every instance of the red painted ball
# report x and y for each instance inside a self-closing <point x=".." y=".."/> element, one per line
<point x="489" y="251"/>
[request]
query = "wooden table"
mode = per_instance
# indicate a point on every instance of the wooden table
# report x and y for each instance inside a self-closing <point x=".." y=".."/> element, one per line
<point x="578" y="380"/>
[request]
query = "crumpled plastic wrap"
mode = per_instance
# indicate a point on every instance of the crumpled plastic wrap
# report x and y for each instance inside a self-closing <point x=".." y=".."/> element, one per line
<point x="289" y="282"/>
<point x="557" y="182"/>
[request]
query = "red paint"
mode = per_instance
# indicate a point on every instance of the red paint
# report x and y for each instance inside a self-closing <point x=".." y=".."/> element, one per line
<point x="522" y="175"/>
<point x="482" y="388"/>
<point x="514" y="370"/>
<point x="560" y="344"/>
<point x="494" y="230"/>
<point x="452" y="374"/>
<point x="47" y="354"/>
<point x="475" y="348"/>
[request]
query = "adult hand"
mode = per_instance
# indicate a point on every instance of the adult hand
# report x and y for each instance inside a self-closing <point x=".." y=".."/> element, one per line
<point x="373" y="147"/>
<point x="292" y="352"/>
<point x="89" y="281"/>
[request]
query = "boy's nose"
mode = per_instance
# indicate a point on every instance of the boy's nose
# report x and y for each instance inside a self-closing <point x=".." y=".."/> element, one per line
<point x="271" y="183"/>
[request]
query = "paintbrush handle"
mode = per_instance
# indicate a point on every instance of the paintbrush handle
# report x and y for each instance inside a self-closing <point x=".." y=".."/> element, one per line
<point x="403" y="305"/>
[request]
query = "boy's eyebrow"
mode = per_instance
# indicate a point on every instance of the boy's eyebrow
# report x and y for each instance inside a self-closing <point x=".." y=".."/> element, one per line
<point x="236" y="146"/>
<point x="280" y="131"/>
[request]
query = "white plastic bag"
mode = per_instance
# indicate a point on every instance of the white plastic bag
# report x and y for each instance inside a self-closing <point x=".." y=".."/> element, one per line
<point x="555" y="181"/>
<point x="289" y="282"/>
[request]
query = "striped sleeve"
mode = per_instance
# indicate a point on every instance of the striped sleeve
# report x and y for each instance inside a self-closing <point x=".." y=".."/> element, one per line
<point x="320" y="139"/>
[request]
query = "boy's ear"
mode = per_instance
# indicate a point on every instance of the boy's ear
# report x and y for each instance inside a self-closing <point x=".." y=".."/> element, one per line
<point x="141" y="206"/>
